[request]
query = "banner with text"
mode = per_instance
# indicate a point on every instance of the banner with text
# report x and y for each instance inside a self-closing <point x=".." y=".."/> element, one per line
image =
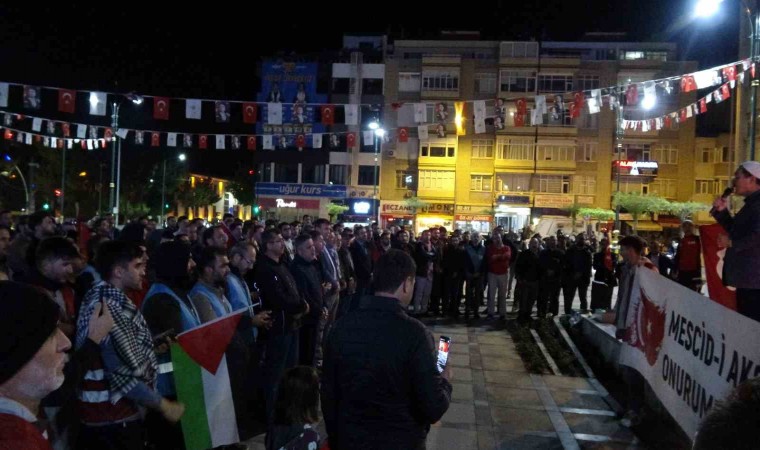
<point x="691" y="350"/>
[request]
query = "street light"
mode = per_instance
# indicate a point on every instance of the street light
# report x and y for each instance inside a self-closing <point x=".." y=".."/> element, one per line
<point x="708" y="8"/>
<point x="379" y="133"/>
<point x="181" y="157"/>
<point x="116" y="150"/>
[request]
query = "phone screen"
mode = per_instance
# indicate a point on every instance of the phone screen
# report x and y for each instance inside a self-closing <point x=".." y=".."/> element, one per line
<point x="443" y="352"/>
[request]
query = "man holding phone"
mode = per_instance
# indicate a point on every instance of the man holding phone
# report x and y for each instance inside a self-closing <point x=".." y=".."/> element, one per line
<point x="381" y="385"/>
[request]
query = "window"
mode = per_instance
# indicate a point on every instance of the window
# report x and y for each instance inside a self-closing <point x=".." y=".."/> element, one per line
<point x="631" y="186"/>
<point x="264" y="174"/>
<point x="313" y="174"/>
<point x="404" y="180"/>
<point x="666" y="154"/>
<point x="372" y="86"/>
<point x="368" y="175"/>
<point x="588" y="121"/>
<point x="340" y="85"/>
<point x="517" y="81"/>
<point x="485" y="83"/>
<point x="554" y="184"/>
<point x="519" y="49"/>
<point x="636" y="152"/>
<point x="338" y="174"/>
<point x="706" y="155"/>
<point x="286" y="173"/>
<point x="555" y="83"/>
<point x="556" y="152"/>
<point x="725" y="154"/>
<point x="585" y="184"/>
<point x="440" y="81"/>
<point x="632" y="55"/>
<point x="517" y="149"/>
<point x="482" y="148"/>
<point x="703" y="187"/>
<point x="513" y="182"/>
<point x="436" y="179"/>
<point x="665" y="187"/>
<point x="437" y="151"/>
<point x="409" y="82"/>
<point x="589" y="152"/>
<point x="483" y="183"/>
<point x="588" y="82"/>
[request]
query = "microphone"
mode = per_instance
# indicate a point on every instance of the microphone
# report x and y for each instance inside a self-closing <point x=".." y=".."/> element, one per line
<point x="726" y="193"/>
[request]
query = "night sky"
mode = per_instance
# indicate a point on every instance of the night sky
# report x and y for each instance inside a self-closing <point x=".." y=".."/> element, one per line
<point x="213" y="53"/>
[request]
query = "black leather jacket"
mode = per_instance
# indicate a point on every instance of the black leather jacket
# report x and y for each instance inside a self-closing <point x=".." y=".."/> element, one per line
<point x="381" y="388"/>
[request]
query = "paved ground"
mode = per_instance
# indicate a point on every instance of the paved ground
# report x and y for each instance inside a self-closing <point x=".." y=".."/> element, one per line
<point x="497" y="404"/>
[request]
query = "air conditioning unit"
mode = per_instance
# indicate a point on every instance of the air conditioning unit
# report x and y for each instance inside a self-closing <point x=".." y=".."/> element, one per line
<point x="391" y="153"/>
<point x="409" y="194"/>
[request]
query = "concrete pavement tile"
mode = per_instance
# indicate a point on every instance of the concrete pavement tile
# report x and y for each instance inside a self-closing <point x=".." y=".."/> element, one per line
<point x="527" y="442"/>
<point x="442" y="438"/>
<point x="505" y="396"/>
<point x="490" y="339"/>
<point x="508" y="378"/>
<point x="462" y="393"/>
<point x="514" y="420"/>
<point x="572" y="399"/>
<point x="600" y="425"/>
<point x="460" y="413"/>
<point x="560" y="382"/>
<point x="496" y="363"/>
<point x="459" y="360"/>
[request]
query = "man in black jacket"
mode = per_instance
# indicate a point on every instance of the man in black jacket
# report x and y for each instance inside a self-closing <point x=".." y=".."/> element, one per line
<point x="577" y="274"/>
<point x="550" y="262"/>
<point x="361" y="256"/>
<point x="604" y="277"/>
<point x="280" y="296"/>
<point x="308" y="278"/>
<point x="381" y="388"/>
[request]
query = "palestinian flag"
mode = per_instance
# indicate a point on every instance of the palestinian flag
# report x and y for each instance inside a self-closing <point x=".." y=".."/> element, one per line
<point x="205" y="383"/>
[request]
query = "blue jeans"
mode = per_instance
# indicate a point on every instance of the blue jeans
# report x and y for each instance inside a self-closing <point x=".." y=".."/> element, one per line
<point x="281" y="355"/>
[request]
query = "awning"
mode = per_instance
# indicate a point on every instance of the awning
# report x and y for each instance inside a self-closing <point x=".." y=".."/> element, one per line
<point x="646" y="225"/>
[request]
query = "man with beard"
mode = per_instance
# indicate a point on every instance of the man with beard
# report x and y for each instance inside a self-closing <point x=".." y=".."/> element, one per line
<point x="208" y="293"/>
<point x="34" y="354"/>
<point x="382" y="247"/>
<point x="403" y="244"/>
<point x="307" y="273"/>
<point x="286" y="230"/>
<point x="21" y="254"/>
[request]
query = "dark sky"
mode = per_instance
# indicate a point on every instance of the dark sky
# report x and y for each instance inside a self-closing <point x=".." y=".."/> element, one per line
<point x="207" y="53"/>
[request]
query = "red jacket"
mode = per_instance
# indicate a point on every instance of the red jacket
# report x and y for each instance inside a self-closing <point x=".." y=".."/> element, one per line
<point x="688" y="257"/>
<point x="16" y="433"/>
<point x="497" y="259"/>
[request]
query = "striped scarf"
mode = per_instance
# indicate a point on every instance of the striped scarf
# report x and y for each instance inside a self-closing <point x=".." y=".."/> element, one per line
<point x="131" y="338"/>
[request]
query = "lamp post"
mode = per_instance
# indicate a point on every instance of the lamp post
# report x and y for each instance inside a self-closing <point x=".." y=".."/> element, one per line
<point x="708" y="8"/>
<point x="116" y="150"/>
<point x="181" y="157"/>
<point x="379" y="134"/>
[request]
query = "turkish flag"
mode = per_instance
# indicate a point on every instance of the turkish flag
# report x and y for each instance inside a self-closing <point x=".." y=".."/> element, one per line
<point x="714" y="256"/>
<point x="160" y="108"/>
<point x="725" y="91"/>
<point x="575" y="110"/>
<point x="250" y="112"/>
<point x="403" y="134"/>
<point x="328" y="115"/>
<point x="647" y="330"/>
<point x="300" y="141"/>
<point x="729" y="73"/>
<point x="203" y="142"/>
<point x="752" y="70"/>
<point x="703" y="106"/>
<point x="632" y="94"/>
<point x="351" y="140"/>
<point x="67" y="101"/>
<point x="579" y="98"/>
<point x="155" y="139"/>
<point x="108" y="134"/>
<point x="688" y="84"/>
<point x="519" y="120"/>
<point x="668" y="122"/>
<point x="683" y="115"/>
<point x="522" y="106"/>
<point x="8" y="134"/>
<point x="66" y="127"/>
<point x="251" y="143"/>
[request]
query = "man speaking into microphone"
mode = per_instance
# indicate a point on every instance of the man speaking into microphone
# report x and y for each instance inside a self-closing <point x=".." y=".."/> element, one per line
<point x="742" y="263"/>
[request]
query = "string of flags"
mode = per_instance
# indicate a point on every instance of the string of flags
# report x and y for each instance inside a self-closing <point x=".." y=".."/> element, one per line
<point x="295" y="132"/>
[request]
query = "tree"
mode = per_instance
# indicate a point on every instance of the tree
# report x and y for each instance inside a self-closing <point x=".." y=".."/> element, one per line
<point x="685" y="210"/>
<point x="573" y="210"/>
<point x="415" y="202"/>
<point x="203" y="194"/>
<point x="334" y="210"/>
<point x="242" y="188"/>
<point x="637" y="204"/>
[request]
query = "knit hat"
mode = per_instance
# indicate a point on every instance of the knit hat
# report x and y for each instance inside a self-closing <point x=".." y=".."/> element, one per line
<point x="171" y="260"/>
<point x="753" y="167"/>
<point x="27" y="317"/>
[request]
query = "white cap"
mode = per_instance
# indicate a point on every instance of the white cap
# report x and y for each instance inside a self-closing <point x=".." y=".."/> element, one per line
<point x="753" y="167"/>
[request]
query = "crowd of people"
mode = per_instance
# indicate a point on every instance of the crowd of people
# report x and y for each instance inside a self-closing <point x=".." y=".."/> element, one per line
<point x="91" y="313"/>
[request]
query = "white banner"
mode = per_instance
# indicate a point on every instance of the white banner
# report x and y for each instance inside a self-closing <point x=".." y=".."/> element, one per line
<point x="691" y="350"/>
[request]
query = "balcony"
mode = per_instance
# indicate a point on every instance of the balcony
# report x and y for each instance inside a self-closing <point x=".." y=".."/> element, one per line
<point x="441" y="60"/>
